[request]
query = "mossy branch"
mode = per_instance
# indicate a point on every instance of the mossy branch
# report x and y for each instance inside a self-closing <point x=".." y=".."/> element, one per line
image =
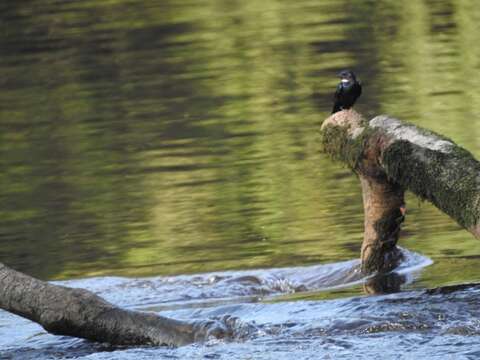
<point x="391" y="156"/>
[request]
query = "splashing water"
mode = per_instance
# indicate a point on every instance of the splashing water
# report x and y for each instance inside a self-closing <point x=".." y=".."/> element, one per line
<point x="271" y="313"/>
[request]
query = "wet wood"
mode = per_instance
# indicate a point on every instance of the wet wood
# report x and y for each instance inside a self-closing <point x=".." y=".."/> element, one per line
<point x="390" y="157"/>
<point x="80" y="313"/>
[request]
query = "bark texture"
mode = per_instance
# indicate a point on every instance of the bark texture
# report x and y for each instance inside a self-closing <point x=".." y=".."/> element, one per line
<point x="81" y="313"/>
<point x="382" y="203"/>
<point x="391" y="156"/>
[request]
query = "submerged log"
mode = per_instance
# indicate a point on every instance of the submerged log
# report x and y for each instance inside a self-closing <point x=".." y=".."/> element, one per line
<point x="391" y="156"/>
<point x="81" y="313"/>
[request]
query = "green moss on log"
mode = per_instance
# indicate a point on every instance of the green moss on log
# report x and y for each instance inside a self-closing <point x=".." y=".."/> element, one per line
<point x="340" y="145"/>
<point x="450" y="180"/>
<point x="431" y="166"/>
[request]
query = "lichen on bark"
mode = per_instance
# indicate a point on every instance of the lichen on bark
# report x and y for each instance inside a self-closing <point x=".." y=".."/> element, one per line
<point x="344" y="137"/>
<point x="450" y="180"/>
<point x="391" y="156"/>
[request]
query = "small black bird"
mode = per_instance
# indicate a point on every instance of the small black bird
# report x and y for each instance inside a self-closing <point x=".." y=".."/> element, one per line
<point x="348" y="91"/>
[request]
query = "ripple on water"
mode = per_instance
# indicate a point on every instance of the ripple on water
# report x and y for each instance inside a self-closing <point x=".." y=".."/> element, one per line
<point x="271" y="329"/>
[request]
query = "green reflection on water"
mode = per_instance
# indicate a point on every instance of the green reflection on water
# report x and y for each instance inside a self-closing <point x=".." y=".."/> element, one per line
<point x="144" y="138"/>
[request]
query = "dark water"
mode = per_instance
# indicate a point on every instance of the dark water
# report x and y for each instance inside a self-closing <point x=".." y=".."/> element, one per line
<point x="156" y="138"/>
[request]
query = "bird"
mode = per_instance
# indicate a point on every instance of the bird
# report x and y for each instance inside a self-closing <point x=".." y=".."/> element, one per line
<point x="348" y="91"/>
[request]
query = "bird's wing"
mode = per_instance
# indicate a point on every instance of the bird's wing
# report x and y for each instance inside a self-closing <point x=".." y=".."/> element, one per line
<point x="338" y="92"/>
<point x="336" y="99"/>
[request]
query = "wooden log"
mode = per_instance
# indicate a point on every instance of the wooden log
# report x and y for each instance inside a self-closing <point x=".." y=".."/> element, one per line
<point x="391" y="156"/>
<point x="80" y="313"/>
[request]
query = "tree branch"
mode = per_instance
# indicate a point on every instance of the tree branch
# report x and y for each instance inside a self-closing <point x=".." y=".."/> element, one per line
<point x="81" y="313"/>
<point x="391" y="156"/>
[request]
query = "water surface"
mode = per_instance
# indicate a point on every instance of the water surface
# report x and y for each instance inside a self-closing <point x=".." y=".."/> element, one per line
<point x="163" y="138"/>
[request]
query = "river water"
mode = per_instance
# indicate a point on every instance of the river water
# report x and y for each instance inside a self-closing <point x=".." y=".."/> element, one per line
<point x="161" y="152"/>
